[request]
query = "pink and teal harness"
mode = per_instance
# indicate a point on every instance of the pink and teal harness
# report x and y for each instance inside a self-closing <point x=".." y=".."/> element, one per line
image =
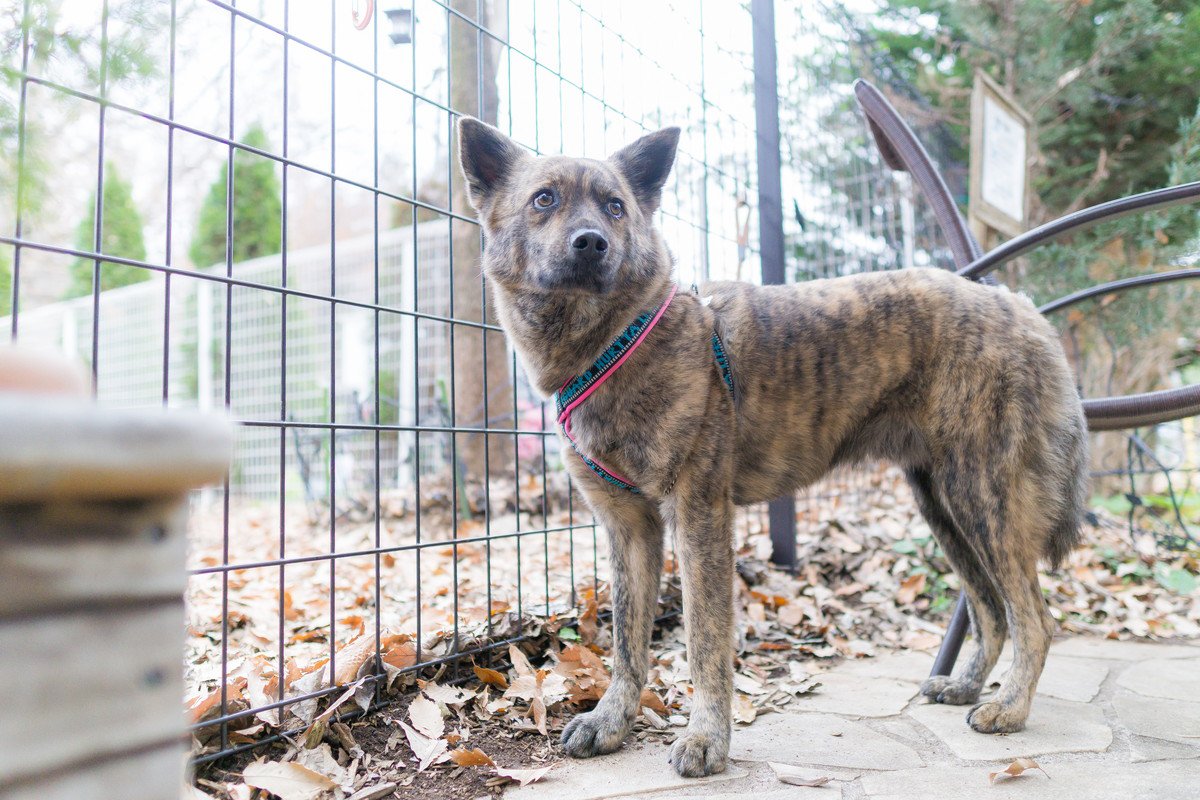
<point x="579" y="388"/>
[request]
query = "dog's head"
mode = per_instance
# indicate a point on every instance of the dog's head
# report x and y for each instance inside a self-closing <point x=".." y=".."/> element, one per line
<point x="567" y="224"/>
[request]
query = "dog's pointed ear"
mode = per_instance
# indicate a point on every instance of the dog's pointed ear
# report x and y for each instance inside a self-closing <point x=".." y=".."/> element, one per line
<point x="646" y="164"/>
<point x="487" y="157"/>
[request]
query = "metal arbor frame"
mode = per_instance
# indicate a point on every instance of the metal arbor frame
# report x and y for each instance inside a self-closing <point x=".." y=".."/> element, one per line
<point x="901" y="150"/>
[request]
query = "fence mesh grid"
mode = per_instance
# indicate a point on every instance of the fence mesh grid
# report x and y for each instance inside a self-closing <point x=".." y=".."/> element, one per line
<point x="394" y="472"/>
<point x="389" y="451"/>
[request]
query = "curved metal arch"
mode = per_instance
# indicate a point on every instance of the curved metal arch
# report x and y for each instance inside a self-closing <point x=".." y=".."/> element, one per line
<point x="1119" y="286"/>
<point x="1136" y="410"/>
<point x="901" y="150"/>
<point x="1140" y="410"/>
<point x="1082" y="220"/>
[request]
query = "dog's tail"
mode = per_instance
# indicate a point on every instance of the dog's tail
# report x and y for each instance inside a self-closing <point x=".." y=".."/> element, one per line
<point x="1065" y="533"/>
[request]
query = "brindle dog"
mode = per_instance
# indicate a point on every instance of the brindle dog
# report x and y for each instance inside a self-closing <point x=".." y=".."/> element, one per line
<point x="964" y="386"/>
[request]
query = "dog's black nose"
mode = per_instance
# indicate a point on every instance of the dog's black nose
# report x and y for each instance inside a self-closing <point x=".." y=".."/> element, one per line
<point x="589" y="244"/>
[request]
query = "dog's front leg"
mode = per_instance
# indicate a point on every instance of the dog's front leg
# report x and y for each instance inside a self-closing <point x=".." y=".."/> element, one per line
<point x="702" y="514"/>
<point x="635" y="535"/>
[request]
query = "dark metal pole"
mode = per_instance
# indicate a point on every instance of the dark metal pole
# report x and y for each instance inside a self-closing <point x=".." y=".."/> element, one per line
<point x="953" y="642"/>
<point x="781" y="513"/>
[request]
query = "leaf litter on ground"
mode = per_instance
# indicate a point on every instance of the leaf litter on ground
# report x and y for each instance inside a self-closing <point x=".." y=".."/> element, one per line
<point x="871" y="580"/>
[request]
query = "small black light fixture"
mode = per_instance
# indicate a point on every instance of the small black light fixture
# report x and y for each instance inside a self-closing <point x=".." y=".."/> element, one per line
<point x="401" y="19"/>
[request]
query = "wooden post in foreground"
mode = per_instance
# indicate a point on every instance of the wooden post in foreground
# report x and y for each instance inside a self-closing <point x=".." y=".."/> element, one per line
<point x="91" y="595"/>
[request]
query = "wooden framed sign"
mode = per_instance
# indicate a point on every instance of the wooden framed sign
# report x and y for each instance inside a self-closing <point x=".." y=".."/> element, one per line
<point x="1000" y="148"/>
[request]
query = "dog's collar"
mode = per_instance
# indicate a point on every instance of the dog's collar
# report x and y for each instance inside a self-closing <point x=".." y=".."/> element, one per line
<point x="578" y="388"/>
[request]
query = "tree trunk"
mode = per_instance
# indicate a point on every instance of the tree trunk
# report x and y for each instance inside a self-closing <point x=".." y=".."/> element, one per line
<point x="1110" y="358"/>
<point x="481" y="358"/>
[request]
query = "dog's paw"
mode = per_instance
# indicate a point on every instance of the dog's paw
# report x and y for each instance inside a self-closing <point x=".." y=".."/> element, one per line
<point x="593" y="734"/>
<point x="995" y="717"/>
<point x="944" y="689"/>
<point x="695" y="755"/>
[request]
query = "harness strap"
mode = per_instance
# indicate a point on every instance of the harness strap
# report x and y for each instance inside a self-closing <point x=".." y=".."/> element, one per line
<point x="577" y="389"/>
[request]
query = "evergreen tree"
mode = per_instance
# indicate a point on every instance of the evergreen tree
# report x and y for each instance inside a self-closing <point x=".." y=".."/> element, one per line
<point x="67" y="37"/>
<point x="1114" y="89"/>
<point x="1113" y="85"/>
<point x="121" y="235"/>
<point x="257" y="208"/>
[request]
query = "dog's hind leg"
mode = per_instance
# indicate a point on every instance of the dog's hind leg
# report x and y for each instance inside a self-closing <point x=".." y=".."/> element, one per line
<point x="635" y="535"/>
<point x="1032" y="628"/>
<point x="988" y="623"/>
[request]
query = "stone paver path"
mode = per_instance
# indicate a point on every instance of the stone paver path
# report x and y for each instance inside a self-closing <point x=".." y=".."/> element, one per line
<point x="1112" y="721"/>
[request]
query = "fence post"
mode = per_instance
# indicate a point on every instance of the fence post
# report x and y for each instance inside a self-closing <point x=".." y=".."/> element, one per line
<point x="781" y="513"/>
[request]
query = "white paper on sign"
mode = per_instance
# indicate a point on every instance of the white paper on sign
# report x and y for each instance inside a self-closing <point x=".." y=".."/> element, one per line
<point x="1003" y="180"/>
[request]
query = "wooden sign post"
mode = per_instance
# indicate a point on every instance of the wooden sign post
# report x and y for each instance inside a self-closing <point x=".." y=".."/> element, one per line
<point x="1000" y="148"/>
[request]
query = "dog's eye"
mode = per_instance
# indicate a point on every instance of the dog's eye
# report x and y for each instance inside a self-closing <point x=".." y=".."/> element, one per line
<point x="543" y="200"/>
<point x="615" y="208"/>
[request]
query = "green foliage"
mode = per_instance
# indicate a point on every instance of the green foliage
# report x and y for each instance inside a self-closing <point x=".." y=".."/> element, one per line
<point x="928" y="559"/>
<point x="1114" y="89"/>
<point x="69" y="45"/>
<point x="1108" y="82"/>
<point x="1175" y="579"/>
<point x="5" y="283"/>
<point x="120" y="235"/>
<point x="257" y="208"/>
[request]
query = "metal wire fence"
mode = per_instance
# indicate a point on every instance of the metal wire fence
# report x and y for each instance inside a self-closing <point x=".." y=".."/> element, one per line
<point x="394" y="476"/>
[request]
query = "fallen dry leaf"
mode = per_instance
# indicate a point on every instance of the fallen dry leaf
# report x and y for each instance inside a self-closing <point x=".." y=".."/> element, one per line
<point x="491" y="677"/>
<point x="401" y="652"/>
<point x="322" y="761"/>
<point x="428" y="751"/>
<point x="288" y="781"/>
<point x="356" y="652"/>
<point x="342" y="698"/>
<point x="588" y="625"/>
<point x="209" y="707"/>
<point x="743" y="709"/>
<point x="425" y="717"/>
<point x="542" y="688"/>
<point x="791" y="615"/>
<point x="519" y="660"/>
<point x="585" y="675"/>
<point x="447" y="695"/>
<point x="524" y="776"/>
<point x="1016" y="768"/>
<point x="910" y="587"/>
<point x="471" y="758"/>
<point x="652" y="701"/>
<point x="748" y="684"/>
<point x="798" y="776"/>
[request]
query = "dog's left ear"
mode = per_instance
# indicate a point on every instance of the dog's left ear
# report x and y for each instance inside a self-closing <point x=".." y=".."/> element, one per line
<point x="646" y="164"/>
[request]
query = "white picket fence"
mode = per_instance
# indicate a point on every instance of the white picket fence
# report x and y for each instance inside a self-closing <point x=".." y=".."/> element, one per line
<point x="138" y="335"/>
